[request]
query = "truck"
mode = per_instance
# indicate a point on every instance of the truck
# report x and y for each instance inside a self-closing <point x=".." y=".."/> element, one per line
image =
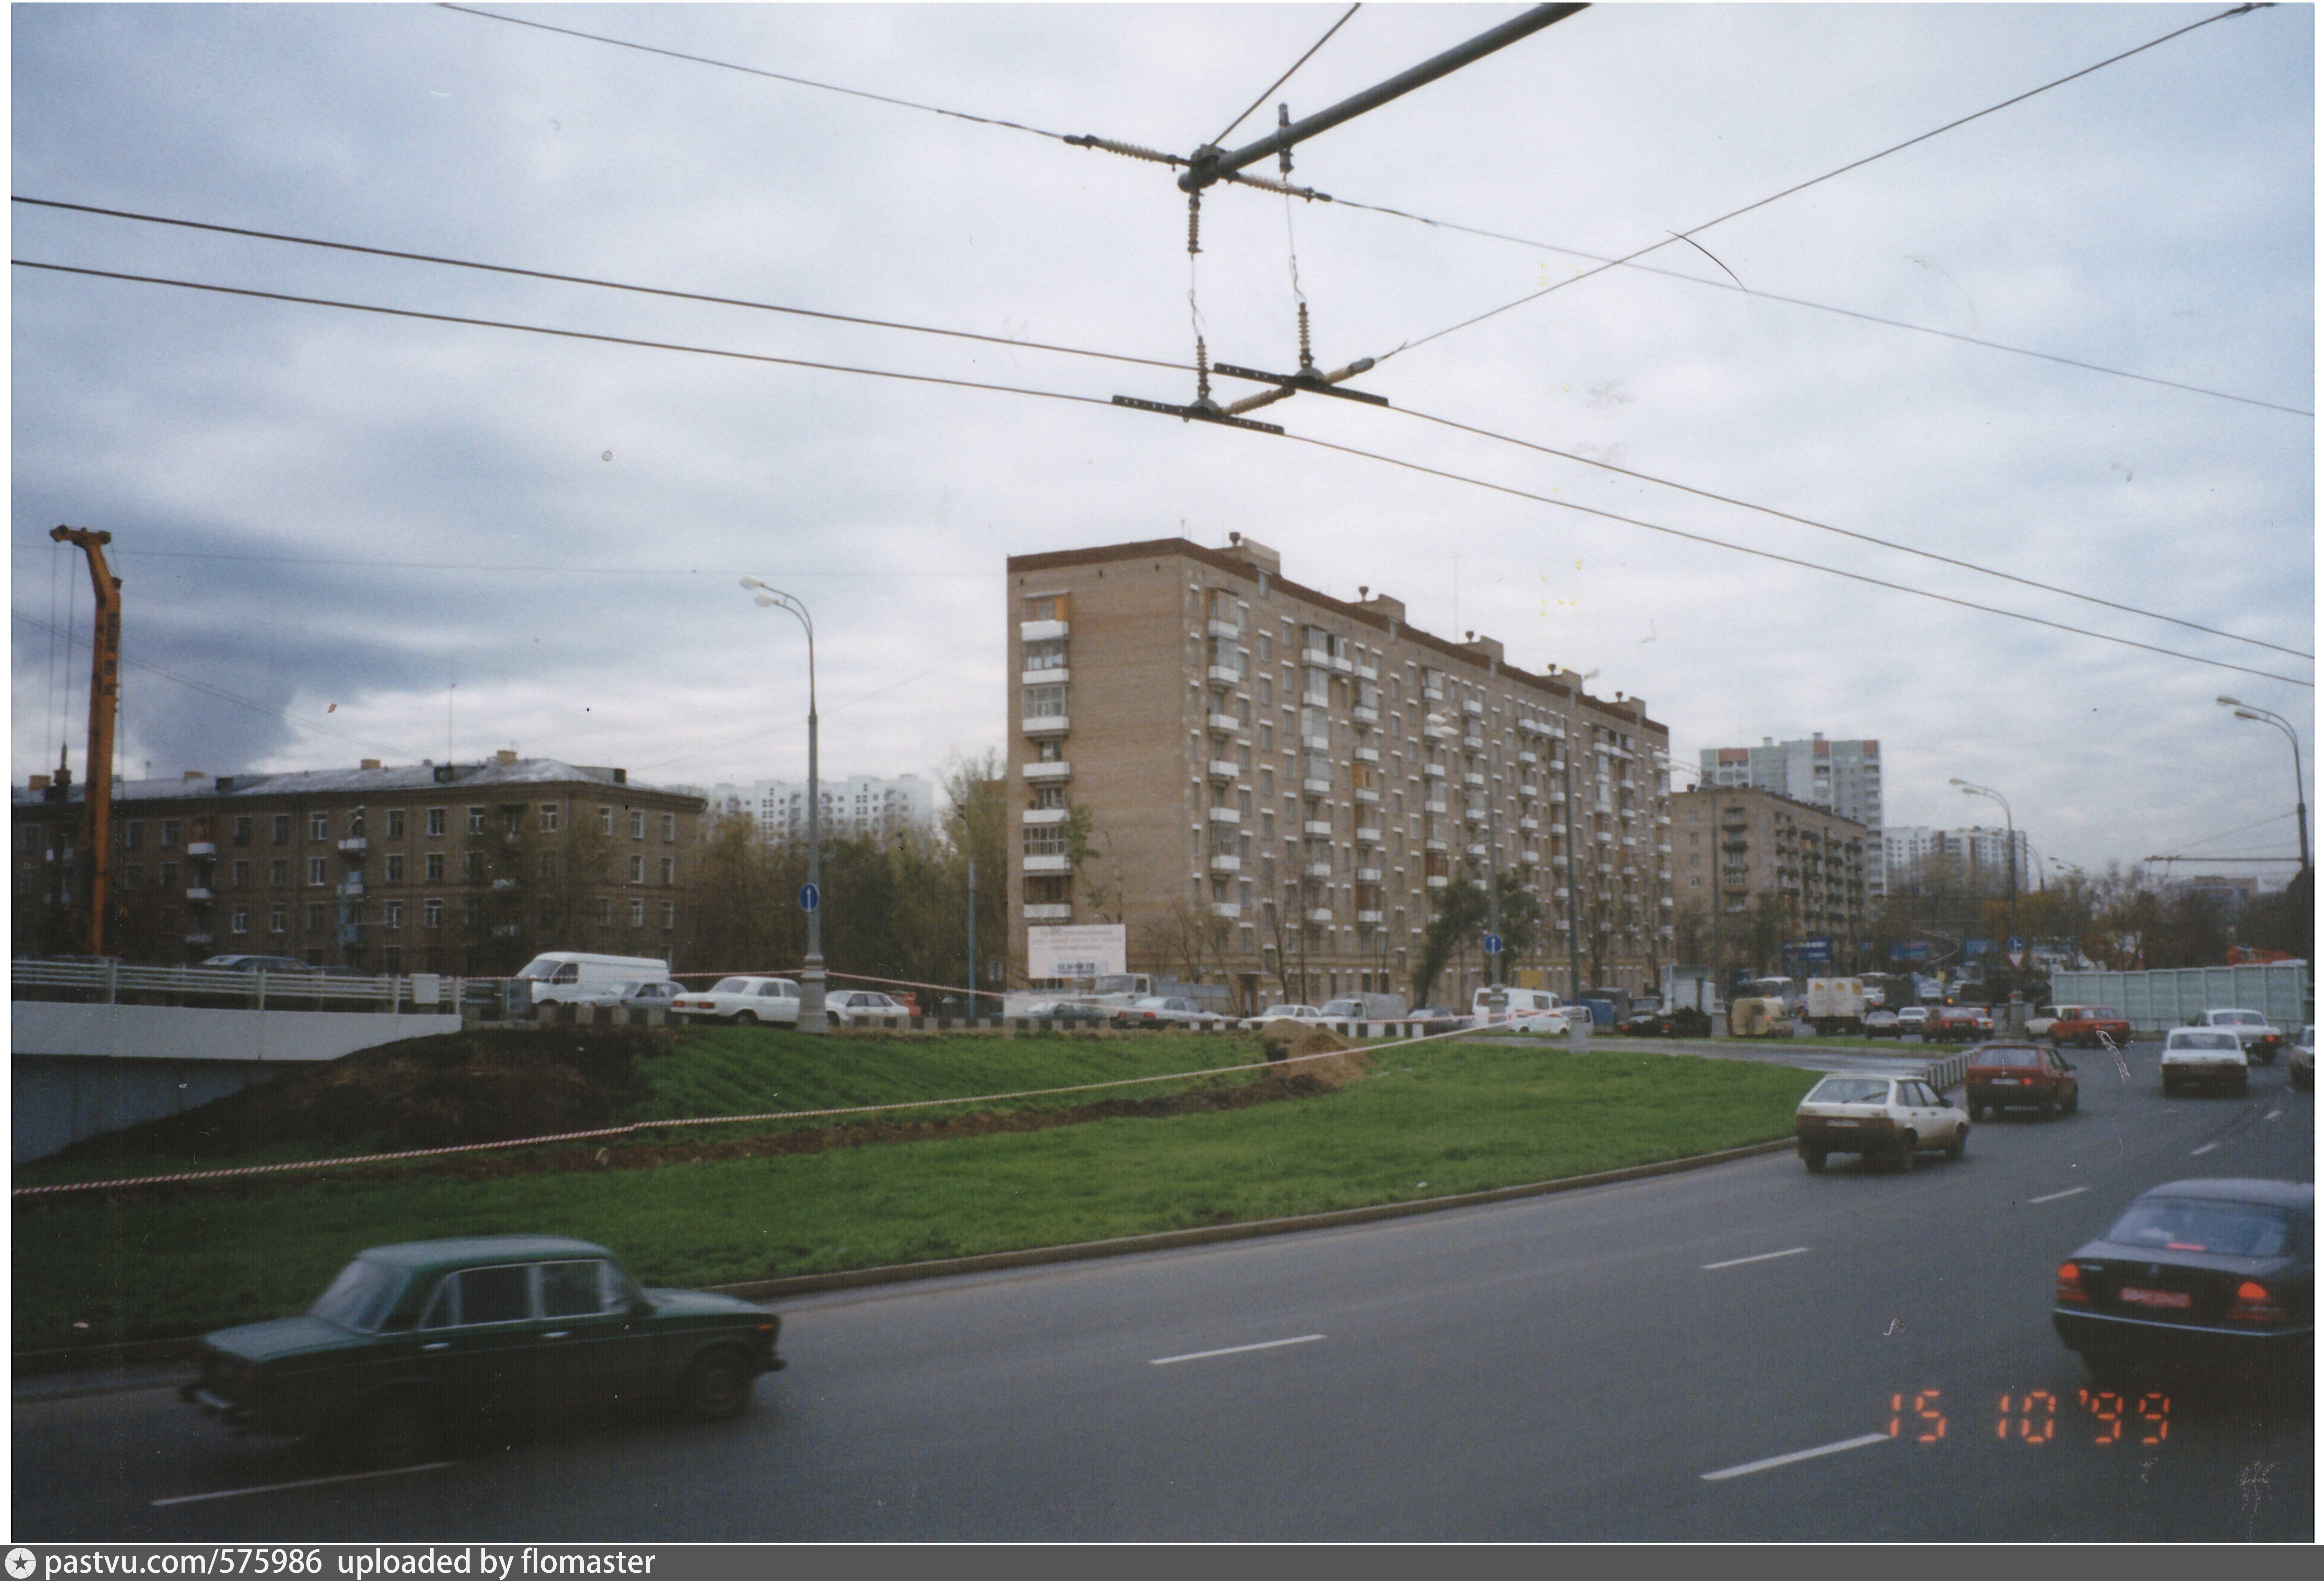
<point x="565" y="976"/>
<point x="1835" y="1005"/>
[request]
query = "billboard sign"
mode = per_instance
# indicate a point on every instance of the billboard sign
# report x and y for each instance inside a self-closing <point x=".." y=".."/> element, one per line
<point x="1083" y="950"/>
<point x="1909" y="950"/>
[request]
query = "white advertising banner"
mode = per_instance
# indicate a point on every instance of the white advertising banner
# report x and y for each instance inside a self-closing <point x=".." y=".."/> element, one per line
<point x="1086" y="949"/>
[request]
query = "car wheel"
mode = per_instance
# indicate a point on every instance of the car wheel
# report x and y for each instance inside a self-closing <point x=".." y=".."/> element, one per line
<point x="717" y="1386"/>
<point x="396" y="1429"/>
<point x="1814" y="1157"/>
<point x="1958" y="1145"/>
<point x="1904" y="1153"/>
<point x="745" y="1018"/>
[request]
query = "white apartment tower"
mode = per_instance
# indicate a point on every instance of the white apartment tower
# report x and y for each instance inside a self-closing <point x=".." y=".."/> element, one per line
<point x="1842" y="777"/>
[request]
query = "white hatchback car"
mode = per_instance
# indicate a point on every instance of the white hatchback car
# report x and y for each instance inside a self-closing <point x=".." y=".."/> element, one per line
<point x="861" y="1007"/>
<point x="1893" y="1117"/>
<point x="745" y="1001"/>
<point x="2195" y="1056"/>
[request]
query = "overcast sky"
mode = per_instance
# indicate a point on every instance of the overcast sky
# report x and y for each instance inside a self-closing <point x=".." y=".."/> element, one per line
<point x="346" y="535"/>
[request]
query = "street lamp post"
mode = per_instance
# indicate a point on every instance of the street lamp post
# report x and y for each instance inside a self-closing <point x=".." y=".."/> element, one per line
<point x="812" y="1017"/>
<point x="2299" y="776"/>
<point x="2009" y="823"/>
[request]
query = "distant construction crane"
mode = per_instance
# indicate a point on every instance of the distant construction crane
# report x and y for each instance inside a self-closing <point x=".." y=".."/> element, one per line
<point x="104" y="709"/>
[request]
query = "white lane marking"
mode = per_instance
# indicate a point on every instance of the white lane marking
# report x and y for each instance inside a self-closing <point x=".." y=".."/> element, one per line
<point x="2054" y="1196"/>
<point x="1196" y="1355"/>
<point x="1773" y="1461"/>
<point x="1761" y="1257"/>
<point x="2273" y="1115"/>
<point x="276" y="1487"/>
<point x="2202" y="1150"/>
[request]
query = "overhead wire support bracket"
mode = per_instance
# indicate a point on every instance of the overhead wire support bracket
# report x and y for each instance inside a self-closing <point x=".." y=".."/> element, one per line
<point x="1201" y="412"/>
<point x="1308" y="379"/>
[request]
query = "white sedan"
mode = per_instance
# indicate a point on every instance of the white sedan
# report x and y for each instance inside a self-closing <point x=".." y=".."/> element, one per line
<point x="1894" y="1118"/>
<point x="1167" y="1011"/>
<point x="861" y="1007"/>
<point x="743" y="1001"/>
<point x="2206" y="1056"/>
<point x="2260" y="1039"/>
<point x="1282" y="1013"/>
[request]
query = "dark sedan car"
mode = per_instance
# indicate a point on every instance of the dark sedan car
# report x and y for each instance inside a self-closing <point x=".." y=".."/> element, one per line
<point x="409" y="1338"/>
<point x="2197" y="1275"/>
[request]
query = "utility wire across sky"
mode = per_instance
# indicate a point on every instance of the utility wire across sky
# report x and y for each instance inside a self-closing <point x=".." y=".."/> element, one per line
<point x="762" y="357"/>
<point x="1148" y="362"/>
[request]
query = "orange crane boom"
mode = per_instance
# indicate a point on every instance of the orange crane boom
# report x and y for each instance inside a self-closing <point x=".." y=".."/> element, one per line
<point x="104" y="709"/>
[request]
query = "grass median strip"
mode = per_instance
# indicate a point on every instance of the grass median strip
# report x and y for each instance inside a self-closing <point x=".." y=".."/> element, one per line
<point x="1427" y="1121"/>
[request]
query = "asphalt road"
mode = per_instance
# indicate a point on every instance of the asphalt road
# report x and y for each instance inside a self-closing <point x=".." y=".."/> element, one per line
<point x="1613" y="1364"/>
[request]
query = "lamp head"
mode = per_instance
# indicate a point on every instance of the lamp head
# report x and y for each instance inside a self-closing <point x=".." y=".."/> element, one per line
<point x="2230" y="702"/>
<point x="1956" y="782"/>
<point x="752" y="582"/>
<point x="763" y="602"/>
<point x="2246" y="713"/>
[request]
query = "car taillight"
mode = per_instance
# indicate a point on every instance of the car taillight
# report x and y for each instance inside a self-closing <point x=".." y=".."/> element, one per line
<point x="2069" y="1284"/>
<point x="2254" y="1305"/>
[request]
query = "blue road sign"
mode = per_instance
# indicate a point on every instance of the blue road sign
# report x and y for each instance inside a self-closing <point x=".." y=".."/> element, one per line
<point x="1493" y="943"/>
<point x="809" y="898"/>
<point x="2016" y="945"/>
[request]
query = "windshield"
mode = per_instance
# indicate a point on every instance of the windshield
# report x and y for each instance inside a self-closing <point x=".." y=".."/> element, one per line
<point x="359" y="1296"/>
<point x="539" y="970"/>
<point x="2237" y="1018"/>
<point x="733" y="984"/>
<point x="2203" y="1040"/>
<point x="2179" y="1223"/>
<point x="1848" y="1089"/>
<point x="2006" y="1055"/>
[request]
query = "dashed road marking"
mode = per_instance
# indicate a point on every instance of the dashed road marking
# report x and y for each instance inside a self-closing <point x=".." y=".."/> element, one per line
<point x="1773" y="1461"/>
<point x="2202" y="1150"/>
<point x="312" y="1482"/>
<point x="2273" y="1115"/>
<point x="2054" y="1196"/>
<point x="1759" y="1258"/>
<point x="1196" y="1355"/>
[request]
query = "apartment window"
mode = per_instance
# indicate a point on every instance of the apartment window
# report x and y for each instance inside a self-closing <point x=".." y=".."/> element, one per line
<point x="168" y="875"/>
<point x="278" y="919"/>
<point x="319" y="916"/>
<point x="637" y="913"/>
<point x="1045" y="840"/>
<point x="318" y="870"/>
<point x="1045" y="701"/>
<point x="431" y="913"/>
<point x="355" y="830"/>
<point x="605" y="912"/>
<point x="318" y="826"/>
<point x="637" y="825"/>
<point x="396" y="822"/>
<point x="278" y="873"/>
<point x="129" y="877"/>
<point x="243" y="829"/>
<point x="472" y="866"/>
<point x="670" y="916"/>
<point x="436" y="821"/>
<point x="283" y="829"/>
<point x="1266" y="648"/>
<point x="432" y="867"/>
<point x="548" y="817"/>
<point x="604" y="820"/>
<point x="472" y="911"/>
<point x="241" y="874"/>
<point x="390" y="961"/>
<point x="1050" y="606"/>
<point x="668" y="870"/>
<point x="1048" y="655"/>
<point x="476" y="820"/>
<point x="391" y="914"/>
<point x="549" y="864"/>
<point x="637" y="870"/>
<point x="133" y="834"/>
<point x="239" y="921"/>
<point x="169" y="832"/>
<point x="668" y="828"/>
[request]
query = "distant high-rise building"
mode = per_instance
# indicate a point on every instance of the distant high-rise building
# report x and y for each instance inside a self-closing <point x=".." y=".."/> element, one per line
<point x="1840" y="776"/>
<point x="1982" y="854"/>
<point x="850" y="807"/>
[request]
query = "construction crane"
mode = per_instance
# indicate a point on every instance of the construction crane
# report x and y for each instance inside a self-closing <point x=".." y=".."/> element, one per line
<point x="104" y="708"/>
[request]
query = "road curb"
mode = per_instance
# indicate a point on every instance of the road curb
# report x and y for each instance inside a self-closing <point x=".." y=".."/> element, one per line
<point x="1211" y="1235"/>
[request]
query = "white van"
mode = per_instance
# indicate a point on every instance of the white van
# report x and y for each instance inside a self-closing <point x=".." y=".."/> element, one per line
<point x="1527" y="1010"/>
<point x="563" y="975"/>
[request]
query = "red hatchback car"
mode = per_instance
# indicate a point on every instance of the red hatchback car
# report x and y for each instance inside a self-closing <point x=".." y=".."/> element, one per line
<point x="2085" y="1024"/>
<point x="2020" y="1075"/>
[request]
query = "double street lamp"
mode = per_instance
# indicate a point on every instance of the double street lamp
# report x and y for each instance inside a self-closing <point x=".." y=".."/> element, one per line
<point x="2298" y="778"/>
<point x="812" y="1017"/>
<point x="2009" y="823"/>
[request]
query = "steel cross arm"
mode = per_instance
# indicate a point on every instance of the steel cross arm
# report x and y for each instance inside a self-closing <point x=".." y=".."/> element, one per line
<point x="1210" y="164"/>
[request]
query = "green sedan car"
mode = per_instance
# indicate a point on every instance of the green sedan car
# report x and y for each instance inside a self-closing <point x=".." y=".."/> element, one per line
<point x="410" y="1339"/>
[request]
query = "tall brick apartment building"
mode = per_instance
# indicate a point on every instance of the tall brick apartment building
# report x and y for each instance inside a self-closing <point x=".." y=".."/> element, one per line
<point x="1269" y="786"/>
<point x="1736" y="844"/>
<point x="434" y="867"/>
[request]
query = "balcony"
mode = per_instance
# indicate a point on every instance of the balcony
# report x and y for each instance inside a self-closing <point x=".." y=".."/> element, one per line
<point x="1225" y="724"/>
<point x="1433" y="844"/>
<point x="1316" y="788"/>
<point x="1474" y="743"/>
<point x="1365" y="794"/>
<point x="1344" y="663"/>
<point x="1433" y="770"/>
<point x="1366" y="836"/>
<point x="1560" y="893"/>
<point x="1315" y="829"/>
<point x="1224" y="768"/>
<point x="1316" y="870"/>
<point x="1225" y="816"/>
<point x="1033" y="817"/>
<point x="1365" y="672"/>
<point x="1043" y="630"/>
<point x="1367" y="875"/>
<point x="1056" y="678"/>
<point x="204" y="848"/>
<point x="1529" y="790"/>
<point x="1225" y="675"/>
<point x="1529" y="858"/>
<point x="1050" y="913"/>
<point x="1059" y="863"/>
<point x="1316" y="743"/>
<point x="353" y="889"/>
<point x="1226" y="628"/>
<point x="1474" y="781"/>
<point x="1049" y="773"/>
<point x="1436" y="807"/>
<point x="354" y="847"/>
<point x="1528" y="825"/>
<point x="1048" y="724"/>
<point x="1437" y="880"/>
<point x="198" y="895"/>
<point x="1319" y="913"/>
<point x="1477" y="851"/>
<point x="197" y="938"/>
<point x="1471" y="707"/>
<point x="1525" y="757"/>
<point x="1368" y="754"/>
<point x="1228" y="909"/>
<point x="1365" y="716"/>
<point x="1435" y="729"/>
<point x="1432" y="693"/>
<point x="1369" y="919"/>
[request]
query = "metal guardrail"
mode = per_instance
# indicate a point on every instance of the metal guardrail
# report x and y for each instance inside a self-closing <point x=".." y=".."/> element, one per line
<point x="116" y="983"/>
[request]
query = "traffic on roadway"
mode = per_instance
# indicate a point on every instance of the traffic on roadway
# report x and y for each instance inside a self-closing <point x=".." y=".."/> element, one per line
<point x="1746" y="1352"/>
